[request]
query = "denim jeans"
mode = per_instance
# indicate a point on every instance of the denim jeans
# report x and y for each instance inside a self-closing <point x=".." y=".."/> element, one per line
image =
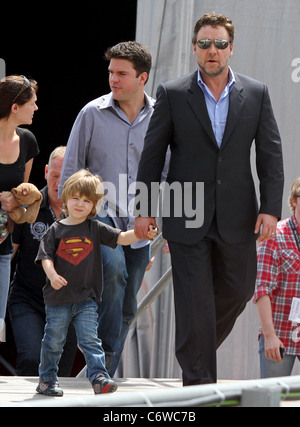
<point x="84" y="316"/>
<point x="4" y="285"/>
<point x="123" y="271"/>
<point x="270" y="368"/>
<point x="28" y="326"/>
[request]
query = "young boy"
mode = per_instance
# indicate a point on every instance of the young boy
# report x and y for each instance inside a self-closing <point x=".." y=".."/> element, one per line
<point x="71" y="257"/>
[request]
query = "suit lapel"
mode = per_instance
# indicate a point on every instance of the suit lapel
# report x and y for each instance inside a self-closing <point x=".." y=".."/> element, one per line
<point x="198" y="105"/>
<point x="197" y="102"/>
<point x="236" y="103"/>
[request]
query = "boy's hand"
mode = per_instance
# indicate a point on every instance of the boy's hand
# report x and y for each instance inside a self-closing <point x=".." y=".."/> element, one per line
<point x="272" y="348"/>
<point x="57" y="282"/>
<point x="152" y="233"/>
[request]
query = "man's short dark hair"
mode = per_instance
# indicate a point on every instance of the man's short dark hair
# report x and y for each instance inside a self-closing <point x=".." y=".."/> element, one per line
<point x="134" y="52"/>
<point x="214" y="19"/>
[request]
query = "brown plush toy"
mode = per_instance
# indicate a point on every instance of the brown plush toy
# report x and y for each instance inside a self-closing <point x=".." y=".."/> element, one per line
<point x="26" y="194"/>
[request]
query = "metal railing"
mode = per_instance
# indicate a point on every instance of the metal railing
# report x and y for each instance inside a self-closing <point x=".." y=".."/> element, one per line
<point x="224" y="394"/>
<point x="158" y="288"/>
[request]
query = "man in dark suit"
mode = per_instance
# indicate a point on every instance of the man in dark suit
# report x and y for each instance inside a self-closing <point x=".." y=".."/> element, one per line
<point x="210" y="120"/>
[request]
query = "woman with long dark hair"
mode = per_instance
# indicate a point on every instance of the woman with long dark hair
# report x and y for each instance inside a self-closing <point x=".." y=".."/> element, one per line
<point x="18" y="147"/>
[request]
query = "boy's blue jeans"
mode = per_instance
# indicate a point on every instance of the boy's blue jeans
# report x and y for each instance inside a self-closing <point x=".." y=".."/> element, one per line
<point x="84" y="316"/>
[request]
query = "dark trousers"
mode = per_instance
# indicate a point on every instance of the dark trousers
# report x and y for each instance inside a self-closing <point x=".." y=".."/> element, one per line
<point x="213" y="281"/>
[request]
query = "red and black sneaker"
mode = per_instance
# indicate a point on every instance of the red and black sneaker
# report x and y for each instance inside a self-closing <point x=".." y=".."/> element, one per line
<point x="104" y="385"/>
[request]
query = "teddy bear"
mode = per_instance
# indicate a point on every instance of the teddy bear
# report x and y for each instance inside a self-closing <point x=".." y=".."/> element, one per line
<point x="26" y="194"/>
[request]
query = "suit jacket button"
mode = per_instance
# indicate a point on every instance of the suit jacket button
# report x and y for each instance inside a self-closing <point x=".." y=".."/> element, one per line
<point x="219" y="182"/>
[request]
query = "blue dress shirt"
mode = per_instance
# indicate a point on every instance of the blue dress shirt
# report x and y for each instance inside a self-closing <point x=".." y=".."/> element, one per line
<point x="217" y="111"/>
<point x="104" y="141"/>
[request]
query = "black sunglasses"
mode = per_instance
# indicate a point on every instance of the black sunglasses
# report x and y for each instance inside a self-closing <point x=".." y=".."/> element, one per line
<point x="25" y="86"/>
<point x="219" y="43"/>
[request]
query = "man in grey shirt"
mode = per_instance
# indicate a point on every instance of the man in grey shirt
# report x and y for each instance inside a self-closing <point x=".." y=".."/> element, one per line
<point x="107" y="139"/>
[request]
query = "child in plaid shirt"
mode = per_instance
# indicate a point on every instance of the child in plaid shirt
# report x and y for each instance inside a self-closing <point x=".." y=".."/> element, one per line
<point x="277" y="286"/>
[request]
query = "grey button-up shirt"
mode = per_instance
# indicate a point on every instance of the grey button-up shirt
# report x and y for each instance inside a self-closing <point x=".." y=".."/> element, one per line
<point x="104" y="141"/>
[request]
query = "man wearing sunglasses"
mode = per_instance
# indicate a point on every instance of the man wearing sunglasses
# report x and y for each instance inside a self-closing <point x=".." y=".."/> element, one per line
<point x="210" y="119"/>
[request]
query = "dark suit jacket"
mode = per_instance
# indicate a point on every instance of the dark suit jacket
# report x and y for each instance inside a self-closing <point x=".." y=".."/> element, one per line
<point x="181" y="121"/>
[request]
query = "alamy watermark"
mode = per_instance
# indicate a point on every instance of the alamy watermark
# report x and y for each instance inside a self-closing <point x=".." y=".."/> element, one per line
<point x="296" y="71"/>
<point x="176" y="200"/>
<point x="2" y="68"/>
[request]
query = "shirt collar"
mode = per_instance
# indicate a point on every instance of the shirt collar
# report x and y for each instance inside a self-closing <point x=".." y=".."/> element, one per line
<point x="296" y="223"/>
<point x="229" y="85"/>
<point x="107" y="101"/>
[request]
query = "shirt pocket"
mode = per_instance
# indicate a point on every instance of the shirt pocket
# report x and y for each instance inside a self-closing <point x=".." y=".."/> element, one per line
<point x="290" y="261"/>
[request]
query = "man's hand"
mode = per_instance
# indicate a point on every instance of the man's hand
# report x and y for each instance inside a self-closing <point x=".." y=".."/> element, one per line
<point x="142" y="225"/>
<point x="268" y="224"/>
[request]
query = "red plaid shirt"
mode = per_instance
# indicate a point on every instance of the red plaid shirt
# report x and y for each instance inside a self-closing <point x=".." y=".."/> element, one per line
<point x="278" y="275"/>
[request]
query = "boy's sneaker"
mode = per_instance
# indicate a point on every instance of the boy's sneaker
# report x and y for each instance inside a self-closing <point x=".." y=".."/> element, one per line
<point x="104" y="385"/>
<point x="49" y="389"/>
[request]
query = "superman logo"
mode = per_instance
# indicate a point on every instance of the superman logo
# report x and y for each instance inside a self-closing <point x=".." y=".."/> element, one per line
<point x="75" y="249"/>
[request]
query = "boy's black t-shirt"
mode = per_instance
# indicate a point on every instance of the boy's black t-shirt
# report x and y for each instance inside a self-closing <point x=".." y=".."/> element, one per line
<point x="76" y="253"/>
